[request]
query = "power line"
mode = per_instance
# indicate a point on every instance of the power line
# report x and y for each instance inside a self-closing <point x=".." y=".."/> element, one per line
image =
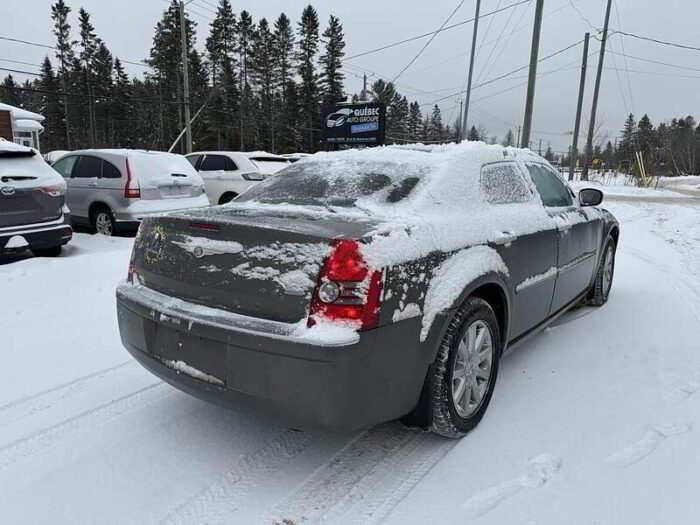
<point x="46" y="46"/>
<point x="20" y="71"/>
<point x="19" y="62"/>
<point x="486" y="83"/>
<point x="668" y="64"/>
<point x="619" y="82"/>
<point x="580" y="14"/>
<point x="418" y="37"/>
<point x="429" y="41"/>
<point x="624" y="54"/>
<point x="656" y="40"/>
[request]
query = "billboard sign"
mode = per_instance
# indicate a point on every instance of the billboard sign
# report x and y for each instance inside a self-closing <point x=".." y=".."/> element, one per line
<point x="355" y="124"/>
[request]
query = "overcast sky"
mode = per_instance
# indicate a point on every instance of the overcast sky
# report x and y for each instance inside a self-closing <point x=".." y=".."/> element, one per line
<point x="661" y="91"/>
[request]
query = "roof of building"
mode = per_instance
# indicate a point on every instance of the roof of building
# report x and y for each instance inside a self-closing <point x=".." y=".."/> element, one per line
<point x="19" y="113"/>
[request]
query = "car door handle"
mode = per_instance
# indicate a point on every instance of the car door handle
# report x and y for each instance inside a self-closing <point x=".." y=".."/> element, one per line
<point x="504" y="238"/>
<point x="93" y="185"/>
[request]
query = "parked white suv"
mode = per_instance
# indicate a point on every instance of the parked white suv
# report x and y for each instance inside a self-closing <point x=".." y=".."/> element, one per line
<point x="227" y="174"/>
<point x="112" y="190"/>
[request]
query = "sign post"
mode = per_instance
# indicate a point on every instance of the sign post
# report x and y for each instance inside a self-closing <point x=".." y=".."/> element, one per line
<point x="356" y="124"/>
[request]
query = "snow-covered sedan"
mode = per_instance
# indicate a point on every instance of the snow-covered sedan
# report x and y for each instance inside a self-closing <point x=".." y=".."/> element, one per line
<point x="365" y="286"/>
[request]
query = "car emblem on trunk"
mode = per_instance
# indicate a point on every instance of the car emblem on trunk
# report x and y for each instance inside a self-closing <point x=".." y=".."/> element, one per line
<point x="198" y="252"/>
<point x="154" y="248"/>
<point x="7" y="191"/>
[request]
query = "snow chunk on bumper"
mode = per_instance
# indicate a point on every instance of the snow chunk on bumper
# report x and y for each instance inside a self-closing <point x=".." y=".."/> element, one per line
<point x="452" y="275"/>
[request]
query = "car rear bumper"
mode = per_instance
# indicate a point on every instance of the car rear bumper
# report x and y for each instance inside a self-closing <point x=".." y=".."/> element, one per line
<point x="37" y="236"/>
<point x="376" y="378"/>
<point x="141" y="209"/>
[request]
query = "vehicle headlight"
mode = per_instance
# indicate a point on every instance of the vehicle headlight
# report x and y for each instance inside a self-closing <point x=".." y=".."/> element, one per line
<point x="55" y="190"/>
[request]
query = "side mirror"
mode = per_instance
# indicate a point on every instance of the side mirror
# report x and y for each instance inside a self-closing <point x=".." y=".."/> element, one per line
<point x="590" y="197"/>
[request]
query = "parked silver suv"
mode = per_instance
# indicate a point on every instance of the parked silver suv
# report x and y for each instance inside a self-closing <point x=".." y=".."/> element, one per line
<point x="33" y="213"/>
<point x="113" y="190"/>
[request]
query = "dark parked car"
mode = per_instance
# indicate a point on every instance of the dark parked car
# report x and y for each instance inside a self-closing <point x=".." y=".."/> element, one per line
<point x="33" y="212"/>
<point x="365" y="286"/>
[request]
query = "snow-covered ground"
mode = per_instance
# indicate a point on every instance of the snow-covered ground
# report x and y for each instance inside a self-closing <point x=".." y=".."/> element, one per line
<point x="596" y="420"/>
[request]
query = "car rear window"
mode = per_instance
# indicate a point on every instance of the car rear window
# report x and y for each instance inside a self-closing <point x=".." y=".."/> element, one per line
<point x="270" y="164"/>
<point x="502" y="183"/>
<point x="160" y="166"/>
<point x="338" y="183"/>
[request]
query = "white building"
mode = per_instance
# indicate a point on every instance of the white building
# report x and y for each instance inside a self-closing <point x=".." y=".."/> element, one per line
<point x="26" y="125"/>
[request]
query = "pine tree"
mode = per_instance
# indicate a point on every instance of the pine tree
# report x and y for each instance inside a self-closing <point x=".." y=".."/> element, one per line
<point x="549" y="154"/>
<point x="263" y="73"/>
<point x="644" y="136"/>
<point x="627" y="145"/>
<point x="608" y="156"/>
<point x="64" y="54"/>
<point x="9" y="94"/>
<point x="435" y="128"/>
<point x="120" y="108"/>
<point x="287" y="136"/>
<point x="51" y="108"/>
<point x="508" y="139"/>
<point x="332" y="77"/>
<point x="306" y="57"/>
<point x="473" y="134"/>
<point x="88" y="44"/>
<point x="246" y="36"/>
<point x="414" y="122"/>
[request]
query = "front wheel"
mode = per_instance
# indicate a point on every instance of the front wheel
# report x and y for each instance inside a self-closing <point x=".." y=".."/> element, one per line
<point x="600" y="292"/>
<point x="465" y="369"/>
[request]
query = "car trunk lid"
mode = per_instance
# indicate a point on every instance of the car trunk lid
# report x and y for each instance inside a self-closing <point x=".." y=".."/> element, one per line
<point x="164" y="176"/>
<point x="254" y="263"/>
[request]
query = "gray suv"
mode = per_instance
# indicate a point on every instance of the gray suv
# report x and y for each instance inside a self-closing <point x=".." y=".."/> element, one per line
<point x="113" y="190"/>
<point x="33" y="213"/>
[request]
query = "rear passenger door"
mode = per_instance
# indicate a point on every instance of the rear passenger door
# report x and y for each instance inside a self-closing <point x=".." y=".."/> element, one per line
<point x="531" y="259"/>
<point x="578" y="235"/>
<point x="85" y="184"/>
<point x="215" y="172"/>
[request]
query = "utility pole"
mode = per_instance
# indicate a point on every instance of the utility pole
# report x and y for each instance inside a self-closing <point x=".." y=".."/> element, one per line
<point x="65" y="99"/>
<point x="591" y="125"/>
<point x="459" y="132"/>
<point x="518" y="141"/>
<point x="539" y="149"/>
<point x="579" y="106"/>
<point x="364" y="86"/>
<point x="534" y="53"/>
<point x="185" y="80"/>
<point x="471" y="71"/>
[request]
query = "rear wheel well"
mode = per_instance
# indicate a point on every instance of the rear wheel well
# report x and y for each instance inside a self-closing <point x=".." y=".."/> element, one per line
<point x="227" y="197"/>
<point x="496" y="298"/>
<point x="96" y="206"/>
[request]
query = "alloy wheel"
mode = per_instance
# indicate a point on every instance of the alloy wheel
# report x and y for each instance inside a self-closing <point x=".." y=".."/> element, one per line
<point x="471" y="370"/>
<point x="103" y="223"/>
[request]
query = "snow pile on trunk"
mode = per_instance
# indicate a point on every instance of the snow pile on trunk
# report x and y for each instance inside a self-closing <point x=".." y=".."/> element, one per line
<point x="450" y="277"/>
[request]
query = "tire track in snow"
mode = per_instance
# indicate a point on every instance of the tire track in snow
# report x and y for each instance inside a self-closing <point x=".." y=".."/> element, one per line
<point x="374" y="472"/>
<point x="35" y="403"/>
<point x="540" y="470"/>
<point x="683" y="392"/>
<point x="647" y="444"/>
<point x="56" y="434"/>
<point x="228" y="492"/>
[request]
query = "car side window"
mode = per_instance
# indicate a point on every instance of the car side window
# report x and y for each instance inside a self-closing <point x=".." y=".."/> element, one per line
<point x="552" y="190"/>
<point x="503" y="183"/>
<point x="64" y="166"/>
<point x="230" y="165"/>
<point x="110" y="171"/>
<point x="213" y="163"/>
<point x="88" y="167"/>
<point x="193" y="160"/>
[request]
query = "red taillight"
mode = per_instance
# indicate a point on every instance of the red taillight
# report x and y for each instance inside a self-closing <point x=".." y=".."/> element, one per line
<point x="131" y="189"/>
<point x="206" y="226"/>
<point x="358" y="291"/>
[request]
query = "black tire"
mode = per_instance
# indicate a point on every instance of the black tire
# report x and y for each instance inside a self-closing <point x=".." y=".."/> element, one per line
<point x="446" y="420"/>
<point x="102" y="221"/>
<point x="227" y="197"/>
<point x="54" y="251"/>
<point x="600" y="291"/>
